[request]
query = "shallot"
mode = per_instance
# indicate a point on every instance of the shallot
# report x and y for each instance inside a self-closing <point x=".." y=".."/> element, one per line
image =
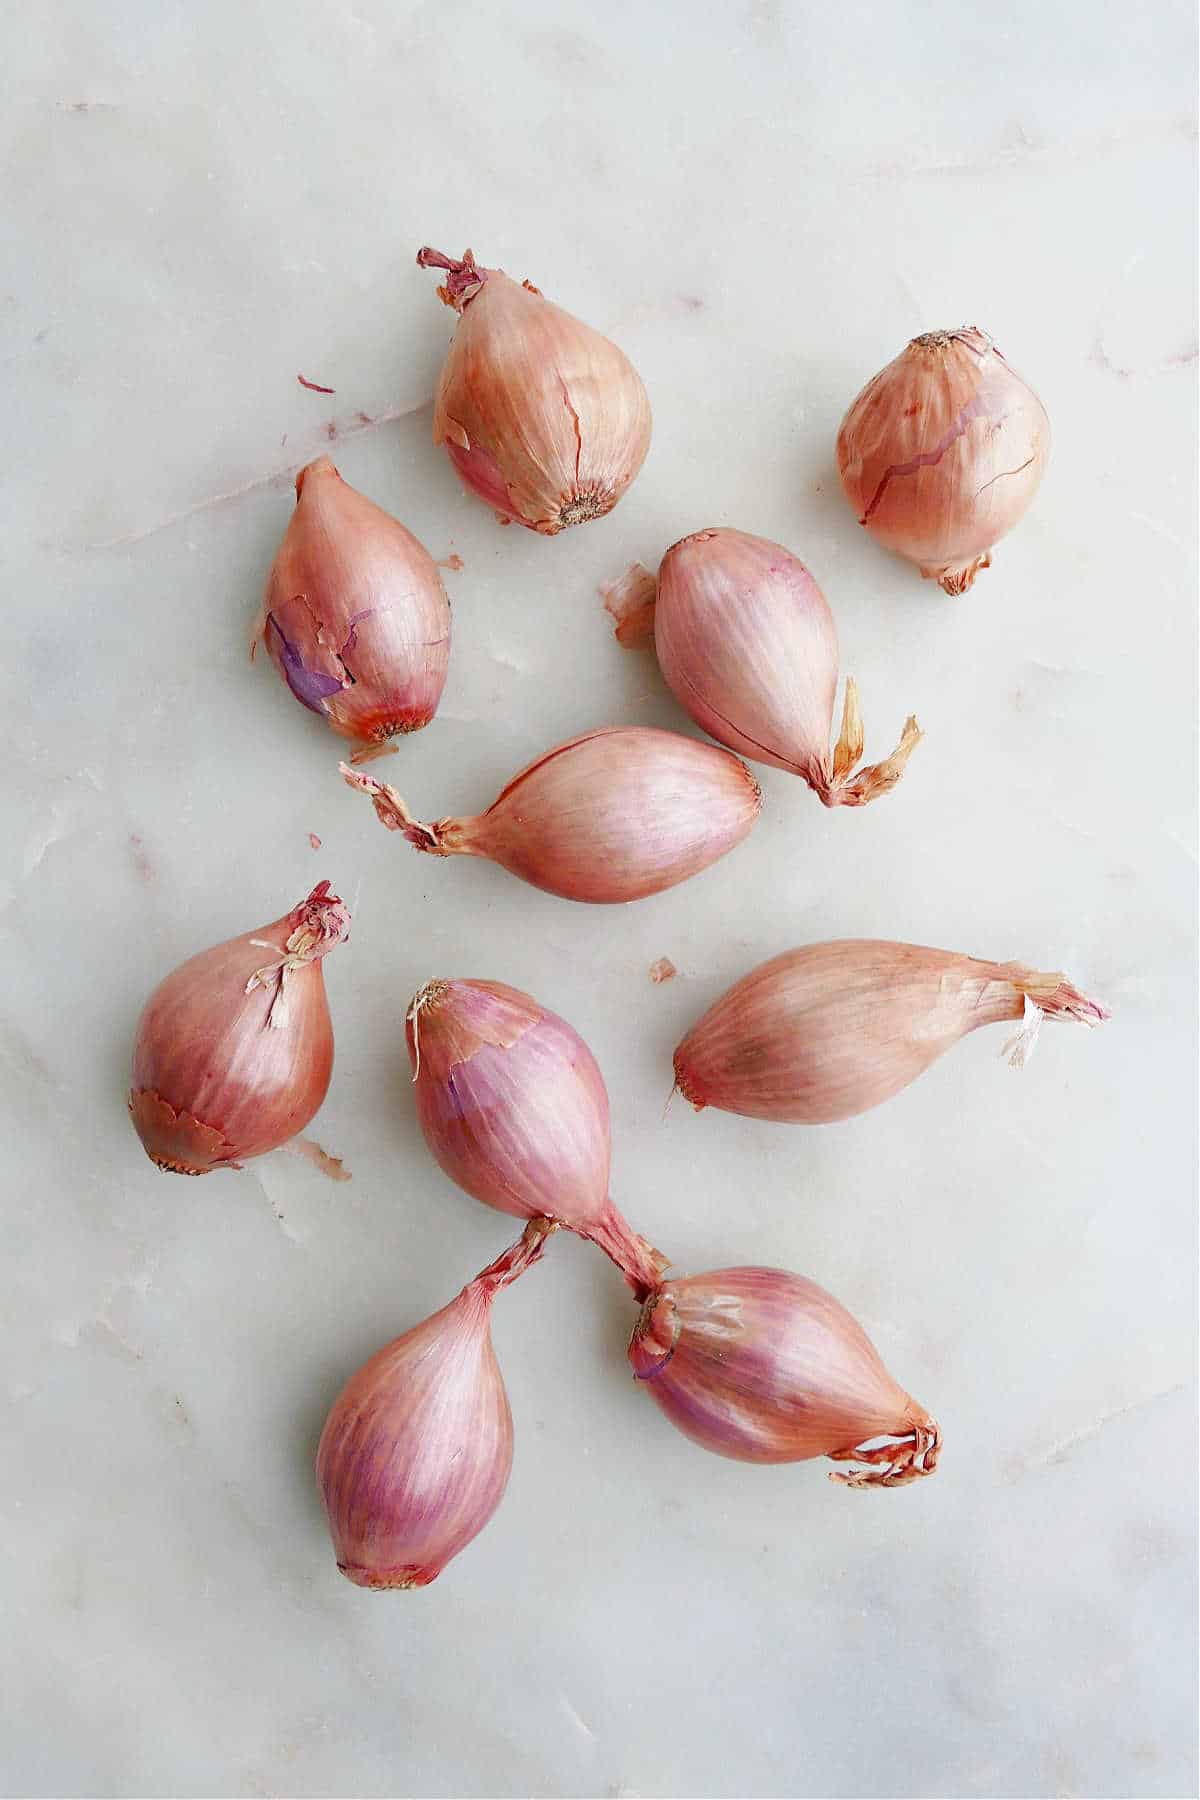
<point x="747" y="644"/>
<point x="541" y="416"/>
<point x="611" y="816"/>
<point x="764" y="1366"/>
<point x="234" y="1051"/>
<point x="824" y="1032"/>
<point x="416" y="1452"/>
<point x="941" y="454"/>
<point x="515" y="1110"/>
<point x="355" y="618"/>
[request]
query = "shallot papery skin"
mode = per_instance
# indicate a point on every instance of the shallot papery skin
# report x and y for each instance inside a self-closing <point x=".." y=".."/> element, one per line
<point x="764" y="1366"/>
<point x="941" y="454"/>
<point x="828" y="1031"/>
<point x="748" y="646"/>
<point x="234" y="1050"/>
<point x="416" y="1452"/>
<point x="541" y="416"/>
<point x="355" y="618"/>
<point x="611" y="816"/>
<point x="514" y="1108"/>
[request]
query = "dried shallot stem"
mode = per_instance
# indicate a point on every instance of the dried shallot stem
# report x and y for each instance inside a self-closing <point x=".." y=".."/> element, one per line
<point x="393" y="813"/>
<point x="321" y="922"/>
<point x="893" y="1464"/>
<point x="639" y="1262"/>
<point x="517" y="1258"/>
<point x="843" y="787"/>
<point x="466" y="278"/>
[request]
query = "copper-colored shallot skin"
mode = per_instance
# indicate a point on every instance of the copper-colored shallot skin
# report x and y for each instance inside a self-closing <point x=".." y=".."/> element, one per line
<point x="764" y="1366"/>
<point x="542" y="417"/>
<point x="830" y="1030"/>
<point x="417" y="1449"/>
<point x="614" y="815"/>
<point x="942" y="452"/>
<point x="356" y="618"/>
<point x="747" y="644"/>
<point x="515" y="1110"/>
<point x="234" y="1050"/>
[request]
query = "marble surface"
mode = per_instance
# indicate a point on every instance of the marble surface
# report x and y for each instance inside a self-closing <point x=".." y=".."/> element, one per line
<point x="761" y="203"/>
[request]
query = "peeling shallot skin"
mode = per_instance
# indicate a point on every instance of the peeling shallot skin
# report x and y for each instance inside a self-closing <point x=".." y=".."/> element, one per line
<point x="942" y="452"/>
<point x="356" y="618"/>
<point x="544" y="418"/>
<point x="766" y="1367"/>
<point x="234" y="1050"/>
<point x="825" y="1032"/>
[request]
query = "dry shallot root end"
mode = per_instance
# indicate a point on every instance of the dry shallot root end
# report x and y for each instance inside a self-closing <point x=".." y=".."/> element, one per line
<point x="385" y="1580"/>
<point x="175" y="1140"/>
<point x="465" y="277"/>
<point x="393" y="813"/>
<point x="957" y="581"/>
<point x="662" y="970"/>
<point x="843" y="788"/>
<point x="892" y="1464"/>
<point x="683" y="1086"/>
<point x="630" y="603"/>
<point x="578" y="508"/>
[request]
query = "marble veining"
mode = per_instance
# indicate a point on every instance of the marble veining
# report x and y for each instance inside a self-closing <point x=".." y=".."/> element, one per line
<point x="761" y="204"/>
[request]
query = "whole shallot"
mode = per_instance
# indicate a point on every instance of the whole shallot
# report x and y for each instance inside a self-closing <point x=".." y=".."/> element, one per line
<point x="941" y="454"/>
<point x="611" y="816"/>
<point x="766" y="1367"/>
<point x="355" y="618"/>
<point x="747" y="644"/>
<point x="234" y="1050"/>
<point x="542" y="417"/>
<point x="417" y="1449"/>
<point x="831" y="1030"/>
<point x="515" y="1110"/>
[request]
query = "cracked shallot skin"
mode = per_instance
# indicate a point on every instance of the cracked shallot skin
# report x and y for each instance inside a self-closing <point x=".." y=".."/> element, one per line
<point x="356" y="618"/>
<point x="942" y="453"/>
<point x="542" y="417"/>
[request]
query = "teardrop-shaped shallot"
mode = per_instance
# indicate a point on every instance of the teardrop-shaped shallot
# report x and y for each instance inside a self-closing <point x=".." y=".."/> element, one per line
<point x="748" y="646"/>
<point x="515" y="1110"/>
<point x="941" y="454"/>
<point x="831" y="1030"/>
<point x="355" y="618"/>
<point x="234" y="1051"/>
<point x="611" y="816"/>
<point x="416" y="1452"/>
<point x="542" y="417"/>
<point x="766" y="1367"/>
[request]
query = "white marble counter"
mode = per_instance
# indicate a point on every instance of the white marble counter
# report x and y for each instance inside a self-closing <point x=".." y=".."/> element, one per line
<point x="761" y="204"/>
